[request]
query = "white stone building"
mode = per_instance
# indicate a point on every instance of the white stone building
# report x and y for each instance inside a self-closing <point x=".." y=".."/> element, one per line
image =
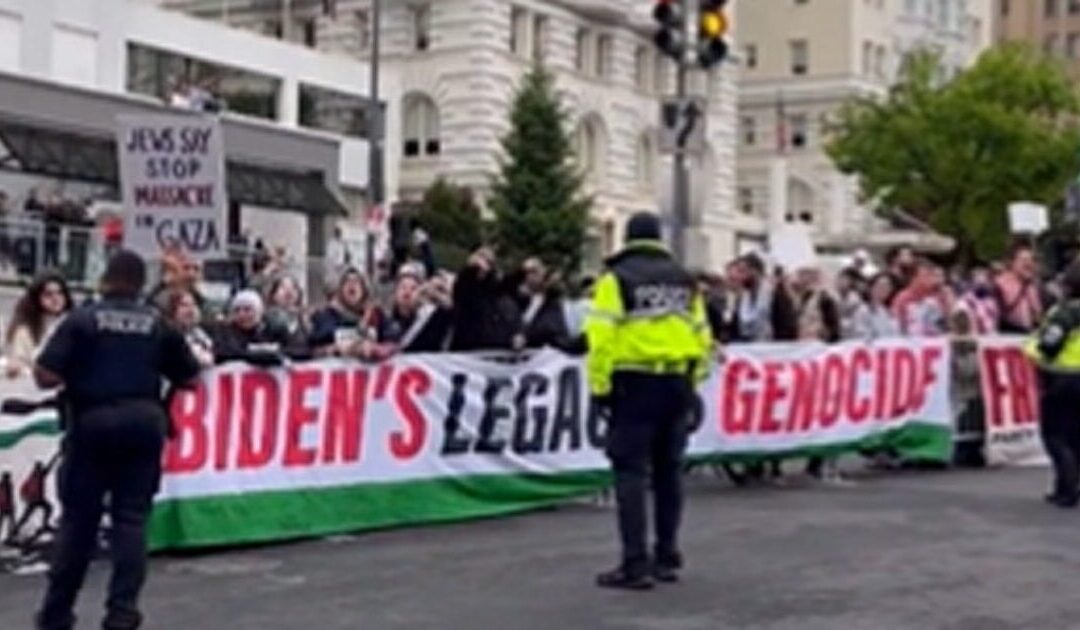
<point x="801" y="60"/>
<point x="460" y="60"/>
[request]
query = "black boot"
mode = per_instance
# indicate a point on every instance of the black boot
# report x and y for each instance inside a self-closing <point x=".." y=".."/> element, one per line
<point x="1063" y="500"/>
<point x="625" y="579"/>
<point x="666" y="567"/>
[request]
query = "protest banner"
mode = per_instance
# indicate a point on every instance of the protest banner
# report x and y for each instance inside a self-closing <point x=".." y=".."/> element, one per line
<point x="333" y="446"/>
<point x="29" y="456"/>
<point x="172" y="173"/>
<point x="1011" y="399"/>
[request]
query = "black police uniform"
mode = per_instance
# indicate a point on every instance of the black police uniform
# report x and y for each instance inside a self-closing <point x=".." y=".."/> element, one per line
<point x="648" y="330"/>
<point x="111" y="357"/>
<point x="1056" y="351"/>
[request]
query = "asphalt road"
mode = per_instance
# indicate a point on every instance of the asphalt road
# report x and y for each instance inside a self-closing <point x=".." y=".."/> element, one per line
<point x="948" y="551"/>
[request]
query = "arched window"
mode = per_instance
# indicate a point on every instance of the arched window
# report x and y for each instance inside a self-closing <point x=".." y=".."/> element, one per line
<point x="421" y="126"/>
<point x="646" y="162"/>
<point x="589" y="144"/>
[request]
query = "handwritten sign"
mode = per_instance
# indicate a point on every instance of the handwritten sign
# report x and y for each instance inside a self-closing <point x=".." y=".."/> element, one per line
<point x="172" y="173"/>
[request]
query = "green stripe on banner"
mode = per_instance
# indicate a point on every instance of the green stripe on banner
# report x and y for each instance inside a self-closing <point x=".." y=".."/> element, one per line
<point x="281" y="515"/>
<point x="9" y="439"/>
<point x="916" y="441"/>
<point x="277" y="515"/>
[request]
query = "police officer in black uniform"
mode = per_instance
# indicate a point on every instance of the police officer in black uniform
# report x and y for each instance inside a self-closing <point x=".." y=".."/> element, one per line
<point x="1056" y="352"/>
<point x="649" y="343"/>
<point x="110" y="358"/>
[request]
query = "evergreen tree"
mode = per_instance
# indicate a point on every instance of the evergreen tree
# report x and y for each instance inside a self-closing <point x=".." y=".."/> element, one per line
<point x="537" y="200"/>
<point x="453" y="221"/>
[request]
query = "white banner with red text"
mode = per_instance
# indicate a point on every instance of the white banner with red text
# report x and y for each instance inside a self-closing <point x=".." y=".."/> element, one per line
<point x="1010" y="394"/>
<point x="328" y="447"/>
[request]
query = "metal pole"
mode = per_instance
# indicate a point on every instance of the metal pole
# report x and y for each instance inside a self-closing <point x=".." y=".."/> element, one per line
<point x="681" y="172"/>
<point x="375" y="136"/>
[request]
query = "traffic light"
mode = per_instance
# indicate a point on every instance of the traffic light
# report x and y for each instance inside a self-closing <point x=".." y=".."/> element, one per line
<point x="671" y="17"/>
<point x="712" y="32"/>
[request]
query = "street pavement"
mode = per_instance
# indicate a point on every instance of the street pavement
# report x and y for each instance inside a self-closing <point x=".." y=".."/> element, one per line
<point x="951" y="551"/>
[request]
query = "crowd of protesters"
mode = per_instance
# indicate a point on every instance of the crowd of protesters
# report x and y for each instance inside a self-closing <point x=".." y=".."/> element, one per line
<point x="910" y="296"/>
<point x="414" y="307"/>
<point x="485" y="307"/>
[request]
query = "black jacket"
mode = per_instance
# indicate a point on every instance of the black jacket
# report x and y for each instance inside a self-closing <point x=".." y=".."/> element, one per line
<point x="430" y="338"/>
<point x="486" y="314"/>
<point x="233" y="344"/>
<point x="548" y="326"/>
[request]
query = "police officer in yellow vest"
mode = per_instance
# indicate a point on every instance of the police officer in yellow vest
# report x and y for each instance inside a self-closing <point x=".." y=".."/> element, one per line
<point x="649" y="343"/>
<point x="1056" y="351"/>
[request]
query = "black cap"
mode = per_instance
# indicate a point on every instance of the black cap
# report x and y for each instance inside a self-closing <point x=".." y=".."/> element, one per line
<point x="1071" y="280"/>
<point x="125" y="274"/>
<point x="643" y="226"/>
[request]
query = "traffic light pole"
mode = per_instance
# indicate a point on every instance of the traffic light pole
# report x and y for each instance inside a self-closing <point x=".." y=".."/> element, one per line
<point x="681" y="171"/>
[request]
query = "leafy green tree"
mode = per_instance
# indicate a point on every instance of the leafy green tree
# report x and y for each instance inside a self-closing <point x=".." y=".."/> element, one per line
<point x="537" y="199"/>
<point x="955" y="153"/>
<point x="453" y="221"/>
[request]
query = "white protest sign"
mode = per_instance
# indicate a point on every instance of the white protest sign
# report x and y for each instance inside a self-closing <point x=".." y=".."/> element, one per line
<point x="1028" y="218"/>
<point x="172" y="173"/>
<point x="792" y="248"/>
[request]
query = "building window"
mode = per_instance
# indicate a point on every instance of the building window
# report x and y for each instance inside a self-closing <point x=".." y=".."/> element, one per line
<point x="800" y="56"/>
<point x="363" y="29"/>
<point x="867" y="58"/>
<point x="799" y="131"/>
<point x="880" y="62"/>
<point x="944" y="14"/>
<point x="646" y="162"/>
<point x="746" y="200"/>
<point x="539" y="37"/>
<point x="310" y="32"/>
<point x="421" y="21"/>
<point x="748" y="126"/>
<point x="911" y="7"/>
<point x="337" y="112"/>
<point x="1050" y="44"/>
<point x="519" y="22"/>
<point x="1072" y="45"/>
<point x="581" y="50"/>
<point x="604" y="53"/>
<point x="171" y="77"/>
<point x="642" y="62"/>
<point x="589" y="146"/>
<point x="421" y="126"/>
<point x="750" y="52"/>
<point x="1004" y="7"/>
<point x="1051" y="8"/>
<point x="1074" y="7"/>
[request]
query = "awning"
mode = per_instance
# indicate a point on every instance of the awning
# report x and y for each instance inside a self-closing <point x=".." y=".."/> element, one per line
<point x="67" y="133"/>
<point x="57" y="154"/>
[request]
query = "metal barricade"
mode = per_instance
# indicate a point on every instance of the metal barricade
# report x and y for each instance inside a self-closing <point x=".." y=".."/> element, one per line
<point x="29" y="245"/>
